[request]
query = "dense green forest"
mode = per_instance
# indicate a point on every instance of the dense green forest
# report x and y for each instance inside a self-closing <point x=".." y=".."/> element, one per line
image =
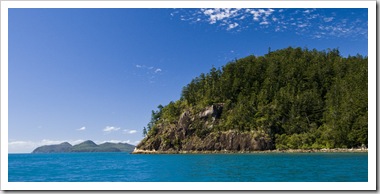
<point x="301" y="98"/>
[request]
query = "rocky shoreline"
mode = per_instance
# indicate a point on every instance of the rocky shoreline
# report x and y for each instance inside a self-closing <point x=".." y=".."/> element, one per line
<point x="335" y="150"/>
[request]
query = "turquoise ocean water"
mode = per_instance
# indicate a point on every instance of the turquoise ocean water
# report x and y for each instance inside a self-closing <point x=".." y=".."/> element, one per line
<point x="124" y="167"/>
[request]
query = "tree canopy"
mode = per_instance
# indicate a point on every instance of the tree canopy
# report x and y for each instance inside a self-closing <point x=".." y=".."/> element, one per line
<point x="302" y="98"/>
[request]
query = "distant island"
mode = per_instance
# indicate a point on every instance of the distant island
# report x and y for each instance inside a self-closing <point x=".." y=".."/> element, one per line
<point x="86" y="146"/>
<point x="289" y="99"/>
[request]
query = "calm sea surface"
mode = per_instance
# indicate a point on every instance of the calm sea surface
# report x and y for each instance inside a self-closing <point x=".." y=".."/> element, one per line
<point x="123" y="167"/>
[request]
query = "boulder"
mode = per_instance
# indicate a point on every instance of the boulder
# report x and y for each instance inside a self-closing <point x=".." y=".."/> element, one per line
<point x="184" y="120"/>
<point x="182" y="137"/>
<point x="215" y="111"/>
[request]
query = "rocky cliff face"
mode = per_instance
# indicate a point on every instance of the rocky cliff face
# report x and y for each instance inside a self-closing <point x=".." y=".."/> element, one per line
<point x="196" y="132"/>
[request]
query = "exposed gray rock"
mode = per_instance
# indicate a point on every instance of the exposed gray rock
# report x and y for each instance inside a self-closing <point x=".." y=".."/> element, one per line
<point x="184" y="120"/>
<point x="214" y="111"/>
<point x="181" y="137"/>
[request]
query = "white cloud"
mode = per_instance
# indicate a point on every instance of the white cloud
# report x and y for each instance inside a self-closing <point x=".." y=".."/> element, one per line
<point x="149" y="69"/>
<point x="227" y="17"/>
<point x="148" y="72"/>
<point x="50" y="142"/>
<point x="22" y="146"/>
<point x="314" y="16"/>
<point x="16" y="143"/>
<point x="302" y="25"/>
<point x="303" y="22"/>
<point x="328" y="19"/>
<point x="129" y="131"/>
<point x="266" y="12"/>
<point x="308" y="11"/>
<point x="28" y="146"/>
<point x="218" y="14"/>
<point x="261" y="13"/>
<point x="117" y="141"/>
<point x="341" y="30"/>
<point x="256" y="15"/>
<point x="111" y="128"/>
<point x="82" y="128"/>
<point x="75" y="142"/>
<point x="112" y="141"/>
<point x="232" y="26"/>
<point x="208" y="12"/>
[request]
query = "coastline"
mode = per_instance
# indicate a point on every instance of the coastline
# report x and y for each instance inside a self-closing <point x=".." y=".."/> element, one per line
<point x="335" y="150"/>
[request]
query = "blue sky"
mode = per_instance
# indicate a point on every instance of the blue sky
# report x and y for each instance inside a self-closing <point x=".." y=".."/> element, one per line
<point x="79" y="74"/>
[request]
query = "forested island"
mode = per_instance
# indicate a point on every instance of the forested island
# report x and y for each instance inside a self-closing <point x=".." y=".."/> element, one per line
<point x="291" y="98"/>
<point x="86" y="146"/>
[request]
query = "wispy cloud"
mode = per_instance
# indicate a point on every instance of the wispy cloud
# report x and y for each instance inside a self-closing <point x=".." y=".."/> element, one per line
<point x="329" y="19"/>
<point x="110" y="128"/>
<point x="129" y="131"/>
<point x="218" y="14"/>
<point x="302" y="25"/>
<point x="147" y="68"/>
<point x="118" y="141"/>
<point x="112" y="141"/>
<point x="82" y="128"/>
<point x="19" y="146"/>
<point x="148" y="73"/>
<point x="232" y="26"/>
<point x="305" y="22"/>
<point x="50" y="142"/>
<point x="227" y="18"/>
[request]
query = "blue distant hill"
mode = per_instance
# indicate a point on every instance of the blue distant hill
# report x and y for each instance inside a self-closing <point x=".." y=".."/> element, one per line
<point x="86" y="146"/>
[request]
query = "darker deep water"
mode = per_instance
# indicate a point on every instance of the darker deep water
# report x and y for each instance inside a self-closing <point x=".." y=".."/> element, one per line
<point x="124" y="167"/>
